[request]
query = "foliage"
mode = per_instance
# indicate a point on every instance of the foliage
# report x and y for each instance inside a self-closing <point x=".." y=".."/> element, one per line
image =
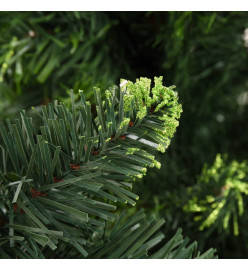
<point x="46" y="53"/>
<point x="219" y="196"/>
<point x="203" y="53"/>
<point x="58" y="183"/>
<point x="175" y="248"/>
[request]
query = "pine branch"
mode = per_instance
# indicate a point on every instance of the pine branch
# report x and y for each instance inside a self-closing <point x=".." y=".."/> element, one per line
<point x="140" y="237"/>
<point x="56" y="50"/>
<point x="60" y="183"/>
<point x="219" y="197"/>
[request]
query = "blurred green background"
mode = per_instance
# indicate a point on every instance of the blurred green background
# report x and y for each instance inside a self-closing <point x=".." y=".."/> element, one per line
<point x="205" y="54"/>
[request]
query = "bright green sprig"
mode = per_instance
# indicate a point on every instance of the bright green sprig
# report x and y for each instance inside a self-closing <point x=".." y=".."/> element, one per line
<point x="219" y="197"/>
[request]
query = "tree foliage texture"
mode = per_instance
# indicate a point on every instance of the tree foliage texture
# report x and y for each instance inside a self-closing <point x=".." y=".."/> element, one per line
<point x="60" y="183"/>
<point x="42" y="54"/>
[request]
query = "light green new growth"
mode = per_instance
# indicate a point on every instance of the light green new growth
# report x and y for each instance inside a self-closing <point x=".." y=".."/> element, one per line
<point x="142" y="113"/>
<point x="224" y="188"/>
<point x="160" y="99"/>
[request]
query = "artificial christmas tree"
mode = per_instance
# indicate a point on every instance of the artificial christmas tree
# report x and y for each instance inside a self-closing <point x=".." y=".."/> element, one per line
<point x="61" y="182"/>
